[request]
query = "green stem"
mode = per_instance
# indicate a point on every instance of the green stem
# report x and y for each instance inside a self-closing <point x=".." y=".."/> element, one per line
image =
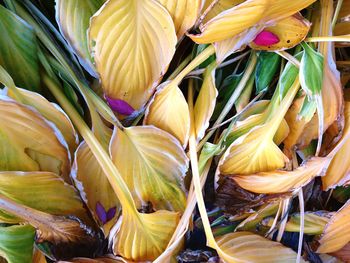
<point x="114" y="177"/>
<point x="203" y="56"/>
<point x="246" y="76"/>
<point x="336" y="13"/>
<point x="180" y="67"/>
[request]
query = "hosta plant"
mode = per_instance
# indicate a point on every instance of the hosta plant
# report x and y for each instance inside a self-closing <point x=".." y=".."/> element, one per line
<point x="174" y="131"/>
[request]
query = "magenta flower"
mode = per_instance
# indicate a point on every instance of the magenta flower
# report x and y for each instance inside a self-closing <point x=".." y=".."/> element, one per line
<point x="120" y="106"/>
<point x="266" y="38"/>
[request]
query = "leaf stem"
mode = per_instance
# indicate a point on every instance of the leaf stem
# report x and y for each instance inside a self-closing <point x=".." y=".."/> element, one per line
<point x="336" y="13"/>
<point x="114" y="177"/>
<point x="342" y="38"/>
<point x="241" y="85"/>
<point x="203" y="56"/>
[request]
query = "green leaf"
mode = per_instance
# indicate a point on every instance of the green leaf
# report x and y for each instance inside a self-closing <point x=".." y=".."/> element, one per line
<point x="288" y="76"/>
<point x="16" y="243"/>
<point x="268" y="63"/>
<point x="47" y="193"/>
<point x="311" y="71"/>
<point x="18" y="52"/>
<point x="73" y="18"/>
<point x="308" y="109"/>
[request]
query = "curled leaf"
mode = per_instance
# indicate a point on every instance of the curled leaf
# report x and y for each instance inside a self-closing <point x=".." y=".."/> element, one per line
<point x="73" y="18"/>
<point x="231" y="22"/>
<point x="338" y="171"/>
<point x="274" y="182"/>
<point x="168" y="111"/>
<point x="238" y="247"/>
<point x="95" y="188"/>
<point x="183" y="12"/>
<point x="47" y="193"/>
<point x="145" y="237"/>
<point x="131" y="65"/>
<point x="153" y="165"/>
<point x="337" y="232"/>
<point x="29" y="142"/>
<point x="205" y="103"/>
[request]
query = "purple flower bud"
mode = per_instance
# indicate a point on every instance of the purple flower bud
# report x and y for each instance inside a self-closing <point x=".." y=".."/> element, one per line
<point x="111" y="213"/>
<point x="266" y="38"/>
<point x="120" y="106"/>
<point x="101" y="213"/>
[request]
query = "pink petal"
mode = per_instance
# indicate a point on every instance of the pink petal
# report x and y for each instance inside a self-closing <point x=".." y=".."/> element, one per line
<point x="120" y="106"/>
<point x="266" y="38"/>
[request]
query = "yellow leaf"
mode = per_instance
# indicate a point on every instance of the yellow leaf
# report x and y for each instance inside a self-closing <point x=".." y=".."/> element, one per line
<point x="145" y="237"/>
<point x="47" y="193"/>
<point x="168" y="111"/>
<point x="337" y="232"/>
<point x="256" y="151"/>
<point x="153" y="164"/>
<point x="275" y="182"/>
<point x="219" y="7"/>
<point x="290" y="31"/>
<point x="239" y="18"/>
<point x="248" y="247"/>
<point x="95" y="188"/>
<point x="252" y="153"/>
<point x="205" y="103"/>
<point x="29" y="143"/>
<point x="133" y="43"/>
<point x="314" y="223"/>
<point x="183" y="12"/>
<point x="73" y="18"/>
<point x="280" y="9"/>
<point x="52" y="112"/>
<point x="231" y="22"/>
<point x="339" y="169"/>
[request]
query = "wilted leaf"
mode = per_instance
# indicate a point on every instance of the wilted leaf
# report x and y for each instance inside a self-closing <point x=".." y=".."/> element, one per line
<point x="339" y="168"/>
<point x="153" y="165"/>
<point x="219" y="7"/>
<point x="29" y="142"/>
<point x="231" y="22"/>
<point x="289" y="31"/>
<point x="183" y="12"/>
<point x="245" y="15"/>
<point x="314" y="222"/>
<point x="205" y="103"/>
<point x="16" y="243"/>
<point x="42" y="191"/>
<point x="18" y="53"/>
<point x="52" y="112"/>
<point x="168" y="111"/>
<point x="131" y="65"/>
<point x="64" y="233"/>
<point x="145" y="237"/>
<point x="73" y="18"/>
<point x="248" y="247"/>
<point x="280" y="181"/>
<point x="343" y="254"/>
<point x="95" y="188"/>
<point x="337" y="232"/>
<point x="106" y="259"/>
